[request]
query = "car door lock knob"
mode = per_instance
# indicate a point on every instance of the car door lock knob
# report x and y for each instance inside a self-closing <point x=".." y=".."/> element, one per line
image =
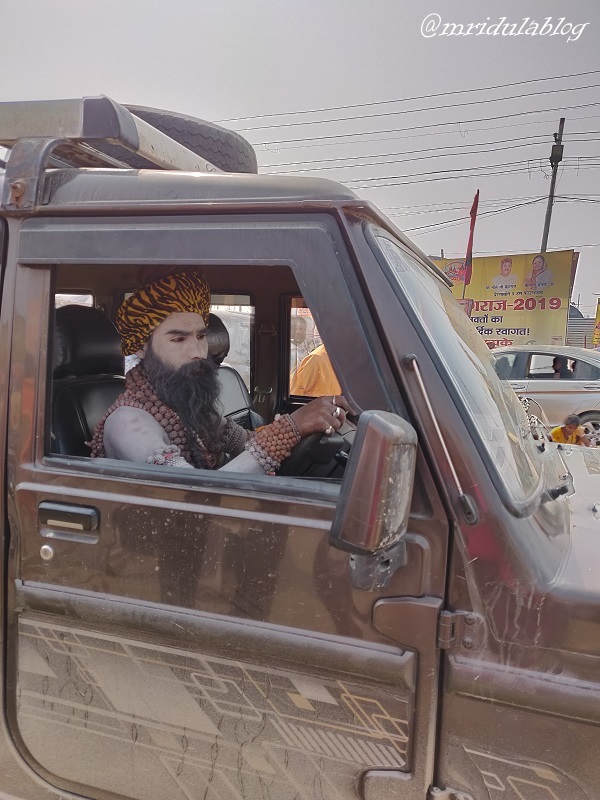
<point x="47" y="552"/>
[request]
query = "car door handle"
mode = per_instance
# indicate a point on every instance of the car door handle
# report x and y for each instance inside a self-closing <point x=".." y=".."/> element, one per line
<point x="592" y="387"/>
<point x="519" y="387"/>
<point x="66" y="521"/>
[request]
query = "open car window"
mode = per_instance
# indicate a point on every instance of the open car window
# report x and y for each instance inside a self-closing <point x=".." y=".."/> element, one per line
<point x="89" y="371"/>
<point x="311" y="371"/>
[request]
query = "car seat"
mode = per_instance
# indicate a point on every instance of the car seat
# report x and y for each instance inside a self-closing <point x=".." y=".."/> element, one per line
<point x="88" y="373"/>
<point x="235" y="398"/>
<point x="503" y="368"/>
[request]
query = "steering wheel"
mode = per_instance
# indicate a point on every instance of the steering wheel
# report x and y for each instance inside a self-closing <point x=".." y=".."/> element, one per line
<point x="320" y="456"/>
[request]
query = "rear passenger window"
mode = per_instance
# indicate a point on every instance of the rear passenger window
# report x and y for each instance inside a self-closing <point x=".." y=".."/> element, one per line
<point x="541" y="367"/>
<point x="311" y="372"/>
<point x="304" y="336"/>
<point x="237" y="314"/>
<point x="584" y="371"/>
<point x="73" y="299"/>
<point x="504" y="364"/>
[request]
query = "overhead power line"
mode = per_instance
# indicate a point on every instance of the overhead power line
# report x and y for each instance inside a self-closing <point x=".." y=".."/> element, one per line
<point x="416" y="158"/>
<point x="469" y="169"/>
<point x="463" y="205"/>
<point x="400" y="181"/>
<point x="409" y="152"/>
<point x="432" y="125"/>
<point x="416" y="110"/>
<point x="576" y="200"/>
<point x="529" y="123"/>
<point x="451" y="222"/>
<point x="541" y="136"/>
<point x="407" y="99"/>
<point x="437" y="172"/>
<point x="444" y="208"/>
<point x="404" y="182"/>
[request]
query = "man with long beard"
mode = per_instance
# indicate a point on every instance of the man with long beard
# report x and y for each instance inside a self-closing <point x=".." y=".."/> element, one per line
<point x="169" y="413"/>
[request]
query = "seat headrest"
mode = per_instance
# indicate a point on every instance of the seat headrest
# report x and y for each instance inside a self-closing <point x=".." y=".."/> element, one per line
<point x="503" y="368"/>
<point x="85" y="343"/>
<point x="218" y="339"/>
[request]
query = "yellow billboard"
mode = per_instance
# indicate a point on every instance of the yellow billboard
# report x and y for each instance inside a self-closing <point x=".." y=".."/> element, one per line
<point x="596" y="344"/>
<point x="518" y="299"/>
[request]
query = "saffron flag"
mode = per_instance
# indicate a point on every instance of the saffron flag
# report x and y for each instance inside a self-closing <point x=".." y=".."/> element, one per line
<point x="469" y="256"/>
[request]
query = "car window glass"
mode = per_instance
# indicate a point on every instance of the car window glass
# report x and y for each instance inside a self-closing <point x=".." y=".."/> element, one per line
<point x="237" y="314"/>
<point x="542" y="367"/>
<point x="503" y="364"/>
<point x="311" y="372"/>
<point x="495" y="415"/>
<point x="73" y="298"/>
<point x="584" y="371"/>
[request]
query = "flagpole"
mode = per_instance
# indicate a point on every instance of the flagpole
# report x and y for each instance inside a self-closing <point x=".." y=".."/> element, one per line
<point x="469" y="256"/>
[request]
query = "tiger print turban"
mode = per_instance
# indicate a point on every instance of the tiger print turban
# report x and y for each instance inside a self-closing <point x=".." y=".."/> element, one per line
<point x="148" y="307"/>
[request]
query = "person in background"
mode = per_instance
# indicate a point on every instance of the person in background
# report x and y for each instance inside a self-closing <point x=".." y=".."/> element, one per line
<point x="299" y="346"/>
<point x="570" y="432"/>
<point x="314" y="374"/>
<point x="561" y="369"/>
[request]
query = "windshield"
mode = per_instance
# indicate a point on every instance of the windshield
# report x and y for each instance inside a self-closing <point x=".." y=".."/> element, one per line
<point x="499" y="422"/>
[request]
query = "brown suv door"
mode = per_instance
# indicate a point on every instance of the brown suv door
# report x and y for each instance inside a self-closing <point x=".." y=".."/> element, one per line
<point x="179" y="634"/>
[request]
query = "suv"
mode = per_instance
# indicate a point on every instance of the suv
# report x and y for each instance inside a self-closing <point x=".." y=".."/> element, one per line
<point x="572" y="389"/>
<point x="409" y="610"/>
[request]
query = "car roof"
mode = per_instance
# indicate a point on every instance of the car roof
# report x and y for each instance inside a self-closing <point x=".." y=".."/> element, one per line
<point x="556" y="350"/>
<point x="93" y="186"/>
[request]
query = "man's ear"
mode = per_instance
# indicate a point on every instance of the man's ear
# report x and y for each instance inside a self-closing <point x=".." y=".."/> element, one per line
<point x="142" y="351"/>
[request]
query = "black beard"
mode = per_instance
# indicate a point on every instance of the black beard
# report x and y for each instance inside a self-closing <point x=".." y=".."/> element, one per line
<point x="192" y="391"/>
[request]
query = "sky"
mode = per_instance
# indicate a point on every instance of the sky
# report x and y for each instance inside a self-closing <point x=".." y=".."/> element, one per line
<point x="355" y="92"/>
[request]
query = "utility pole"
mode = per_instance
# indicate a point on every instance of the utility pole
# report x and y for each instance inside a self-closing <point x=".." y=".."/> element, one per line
<point x="556" y="155"/>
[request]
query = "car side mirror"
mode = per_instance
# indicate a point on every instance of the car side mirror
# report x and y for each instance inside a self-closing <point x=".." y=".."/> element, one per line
<point x="375" y="496"/>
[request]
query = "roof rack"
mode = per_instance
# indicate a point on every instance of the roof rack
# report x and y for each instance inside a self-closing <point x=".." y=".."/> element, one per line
<point x="71" y="133"/>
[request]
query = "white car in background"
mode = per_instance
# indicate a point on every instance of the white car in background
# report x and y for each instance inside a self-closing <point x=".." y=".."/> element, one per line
<point x="529" y="368"/>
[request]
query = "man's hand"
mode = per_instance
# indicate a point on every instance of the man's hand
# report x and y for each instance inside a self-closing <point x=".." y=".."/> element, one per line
<point x="323" y="415"/>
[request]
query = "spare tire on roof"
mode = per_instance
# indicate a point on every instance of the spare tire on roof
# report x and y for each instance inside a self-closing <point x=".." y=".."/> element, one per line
<point x="224" y="148"/>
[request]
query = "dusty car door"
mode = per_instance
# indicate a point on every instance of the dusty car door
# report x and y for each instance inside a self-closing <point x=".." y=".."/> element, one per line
<point x="518" y="372"/>
<point x="586" y="376"/>
<point x="511" y="367"/>
<point x="182" y="635"/>
<point x="559" y="397"/>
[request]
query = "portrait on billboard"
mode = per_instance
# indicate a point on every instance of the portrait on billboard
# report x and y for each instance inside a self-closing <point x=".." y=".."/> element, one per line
<point x="516" y="299"/>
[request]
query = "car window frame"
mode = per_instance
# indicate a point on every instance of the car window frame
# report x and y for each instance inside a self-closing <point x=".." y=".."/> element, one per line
<point x="518" y="507"/>
<point x="41" y="249"/>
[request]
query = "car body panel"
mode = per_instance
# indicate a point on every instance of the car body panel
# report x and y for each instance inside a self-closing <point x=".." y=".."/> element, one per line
<point x="557" y="397"/>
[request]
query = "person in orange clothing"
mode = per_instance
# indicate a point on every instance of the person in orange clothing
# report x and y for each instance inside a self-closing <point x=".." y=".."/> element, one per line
<point x="315" y="376"/>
